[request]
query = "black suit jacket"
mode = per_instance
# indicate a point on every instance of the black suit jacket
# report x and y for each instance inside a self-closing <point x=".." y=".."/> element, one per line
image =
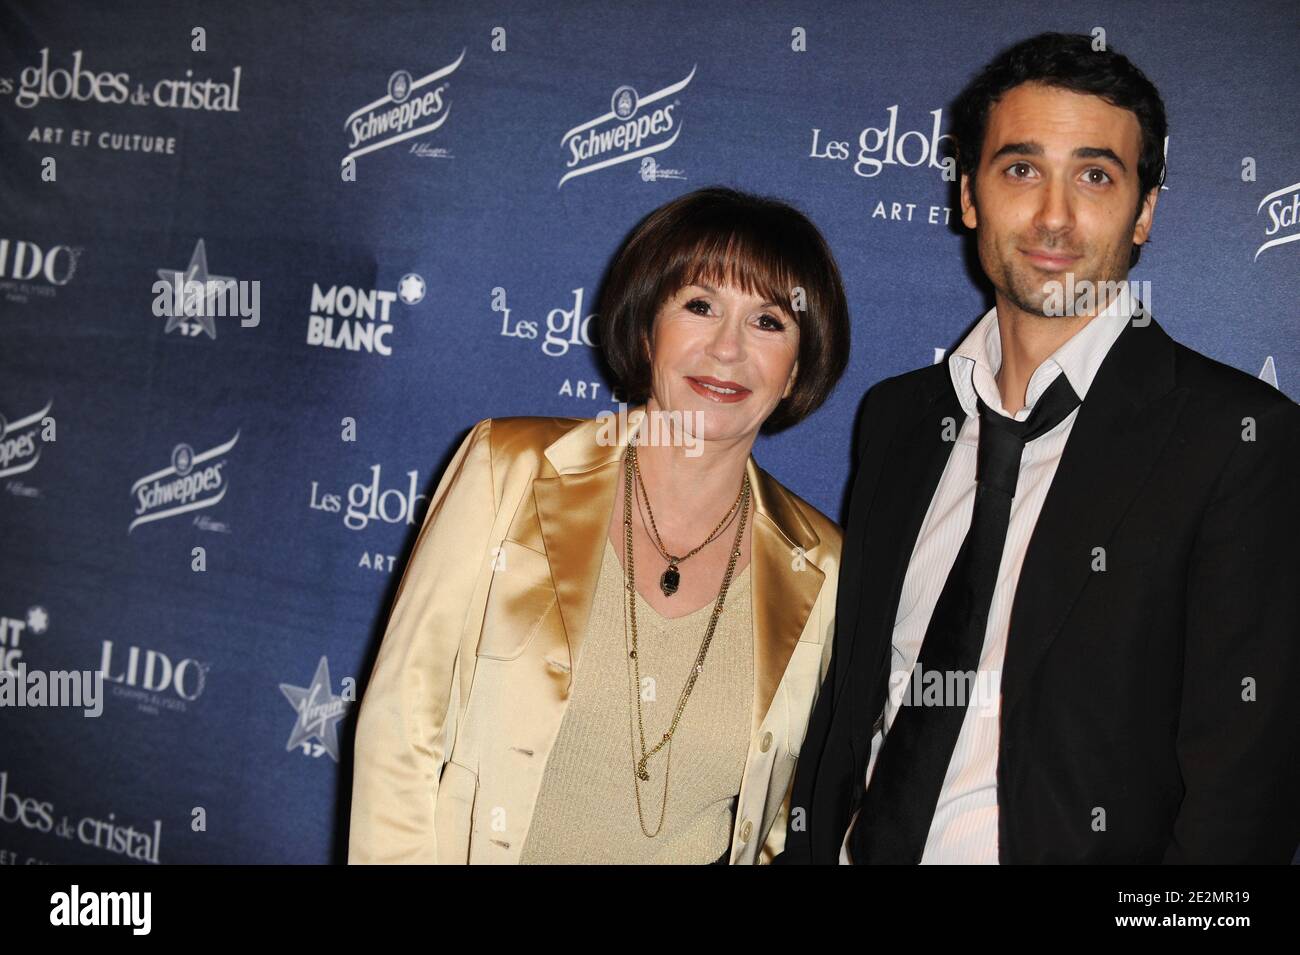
<point x="1127" y="690"/>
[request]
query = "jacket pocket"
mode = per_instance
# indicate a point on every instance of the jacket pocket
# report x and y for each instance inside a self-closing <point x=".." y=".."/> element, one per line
<point x="453" y="814"/>
<point x="520" y="598"/>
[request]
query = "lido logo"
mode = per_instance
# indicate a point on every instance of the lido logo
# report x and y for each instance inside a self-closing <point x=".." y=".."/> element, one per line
<point x="158" y="673"/>
<point x="191" y="482"/>
<point x="411" y="108"/>
<point x="634" y="127"/>
<point x="25" y="261"/>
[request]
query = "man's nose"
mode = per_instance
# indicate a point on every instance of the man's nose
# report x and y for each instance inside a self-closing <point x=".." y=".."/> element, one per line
<point x="1056" y="212"/>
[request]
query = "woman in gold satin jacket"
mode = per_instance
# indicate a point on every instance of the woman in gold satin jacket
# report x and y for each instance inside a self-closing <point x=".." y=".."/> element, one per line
<point x="483" y="722"/>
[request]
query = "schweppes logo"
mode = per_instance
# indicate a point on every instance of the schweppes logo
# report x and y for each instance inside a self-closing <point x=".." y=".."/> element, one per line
<point x="634" y="127"/>
<point x="412" y="107"/>
<point x="20" y="442"/>
<point x="192" y="482"/>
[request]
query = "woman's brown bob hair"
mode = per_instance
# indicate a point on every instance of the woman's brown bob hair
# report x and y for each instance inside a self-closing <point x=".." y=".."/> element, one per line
<point x="721" y="236"/>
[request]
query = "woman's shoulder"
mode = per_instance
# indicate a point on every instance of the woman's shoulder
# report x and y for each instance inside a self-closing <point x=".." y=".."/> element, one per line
<point x="521" y="437"/>
<point x="830" y="535"/>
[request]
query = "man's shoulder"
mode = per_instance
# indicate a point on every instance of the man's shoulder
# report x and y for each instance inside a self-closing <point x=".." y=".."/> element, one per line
<point x="1216" y="389"/>
<point x="926" y="380"/>
<point x="884" y="400"/>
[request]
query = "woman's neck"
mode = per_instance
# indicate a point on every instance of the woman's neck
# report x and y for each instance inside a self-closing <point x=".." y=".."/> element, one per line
<point x="691" y="493"/>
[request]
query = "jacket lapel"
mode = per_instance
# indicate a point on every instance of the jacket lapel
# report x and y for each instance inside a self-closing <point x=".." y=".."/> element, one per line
<point x="574" y="504"/>
<point x="922" y="442"/>
<point x="784" y="584"/>
<point x="1114" y="442"/>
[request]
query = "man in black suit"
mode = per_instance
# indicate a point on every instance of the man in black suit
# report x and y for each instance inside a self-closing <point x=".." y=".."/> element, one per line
<point x="1068" y="627"/>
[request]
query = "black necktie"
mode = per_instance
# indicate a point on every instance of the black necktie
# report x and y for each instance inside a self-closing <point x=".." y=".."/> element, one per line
<point x="898" y="807"/>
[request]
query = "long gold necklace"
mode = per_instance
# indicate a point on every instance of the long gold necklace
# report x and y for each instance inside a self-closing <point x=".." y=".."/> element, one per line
<point x="672" y="577"/>
<point x="639" y="771"/>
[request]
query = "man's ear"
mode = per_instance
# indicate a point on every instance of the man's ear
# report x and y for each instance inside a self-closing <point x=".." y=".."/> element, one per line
<point x="968" y="214"/>
<point x="1142" y="226"/>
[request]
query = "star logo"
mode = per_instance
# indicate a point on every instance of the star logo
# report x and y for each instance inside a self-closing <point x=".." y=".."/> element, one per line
<point x="319" y="712"/>
<point x="208" y="288"/>
<point x="38" y="620"/>
<point x="411" y="289"/>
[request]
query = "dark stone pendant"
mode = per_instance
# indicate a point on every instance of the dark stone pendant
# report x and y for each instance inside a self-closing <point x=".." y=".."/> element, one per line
<point x="669" y="581"/>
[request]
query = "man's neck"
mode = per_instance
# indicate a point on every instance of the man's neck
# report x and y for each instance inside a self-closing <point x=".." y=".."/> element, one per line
<point x="1027" y="341"/>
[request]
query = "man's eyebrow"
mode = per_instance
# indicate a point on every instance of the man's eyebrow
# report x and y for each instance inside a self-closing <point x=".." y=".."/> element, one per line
<point x="1031" y="148"/>
<point x="1019" y="149"/>
<point x="1099" y="152"/>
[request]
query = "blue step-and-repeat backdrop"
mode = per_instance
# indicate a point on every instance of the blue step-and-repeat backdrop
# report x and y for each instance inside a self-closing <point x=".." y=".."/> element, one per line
<point x="415" y="204"/>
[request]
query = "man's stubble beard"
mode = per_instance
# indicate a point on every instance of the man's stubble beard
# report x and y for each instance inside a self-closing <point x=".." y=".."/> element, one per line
<point x="1021" y="285"/>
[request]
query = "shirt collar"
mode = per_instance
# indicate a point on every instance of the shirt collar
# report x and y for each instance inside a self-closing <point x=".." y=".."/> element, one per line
<point x="974" y="363"/>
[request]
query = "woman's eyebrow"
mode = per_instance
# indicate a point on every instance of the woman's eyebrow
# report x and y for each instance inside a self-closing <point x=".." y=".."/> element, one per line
<point x="710" y="288"/>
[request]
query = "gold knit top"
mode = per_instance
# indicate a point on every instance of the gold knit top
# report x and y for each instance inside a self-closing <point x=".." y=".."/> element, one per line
<point x="586" y="809"/>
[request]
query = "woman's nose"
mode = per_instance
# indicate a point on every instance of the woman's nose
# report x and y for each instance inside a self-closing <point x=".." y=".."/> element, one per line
<point x="728" y="342"/>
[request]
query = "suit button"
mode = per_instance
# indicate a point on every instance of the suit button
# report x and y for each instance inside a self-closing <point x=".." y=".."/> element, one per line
<point x="766" y="742"/>
<point x="746" y="828"/>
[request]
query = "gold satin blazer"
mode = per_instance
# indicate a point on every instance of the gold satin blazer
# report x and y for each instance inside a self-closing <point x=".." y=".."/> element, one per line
<point x="477" y="661"/>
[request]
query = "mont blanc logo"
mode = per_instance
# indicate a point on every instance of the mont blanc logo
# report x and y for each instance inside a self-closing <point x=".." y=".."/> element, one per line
<point x="412" y="107"/>
<point x="191" y="482"/>
<point x="410" y="290"/>
<point x="1282" y="210"/>
<point x="635" y="126"/>
<point x="347" y="318"/>
<point x="12" y="631"/>
<point x="21" y="440"/>
<point x="319" y="712"/>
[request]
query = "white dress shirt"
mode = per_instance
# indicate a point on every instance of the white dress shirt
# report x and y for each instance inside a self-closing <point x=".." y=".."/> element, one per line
<point x="965" y="824"/>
